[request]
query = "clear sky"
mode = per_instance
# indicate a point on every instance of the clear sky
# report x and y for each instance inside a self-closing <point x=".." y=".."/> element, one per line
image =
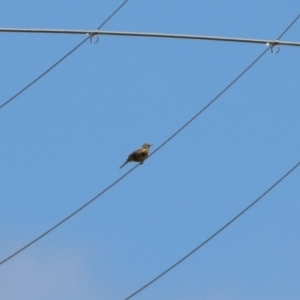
<point x="63" y="140"/>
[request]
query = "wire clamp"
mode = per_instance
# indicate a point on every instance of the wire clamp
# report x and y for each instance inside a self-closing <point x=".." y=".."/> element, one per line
<point x="94" y="38"/>
<point x="274" y="47"/>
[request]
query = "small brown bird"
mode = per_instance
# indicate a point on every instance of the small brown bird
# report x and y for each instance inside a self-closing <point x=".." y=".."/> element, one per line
<point x="138" y="155"/>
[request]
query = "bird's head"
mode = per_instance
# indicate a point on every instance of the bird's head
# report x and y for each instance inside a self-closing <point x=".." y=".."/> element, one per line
<point x="147" y="145"/>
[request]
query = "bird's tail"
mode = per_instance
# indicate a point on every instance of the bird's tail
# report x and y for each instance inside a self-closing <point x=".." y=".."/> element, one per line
<point x="124" y="164"/>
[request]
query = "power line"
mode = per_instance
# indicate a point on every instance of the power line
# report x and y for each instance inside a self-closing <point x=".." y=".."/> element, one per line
<point x="288" y="28"/>
<point x="151" y="35"/>
<point x="216" y="233"/>
<point x="59" y="61"/>
<point x="123" y="176"/>
<point x="68" y="217"/>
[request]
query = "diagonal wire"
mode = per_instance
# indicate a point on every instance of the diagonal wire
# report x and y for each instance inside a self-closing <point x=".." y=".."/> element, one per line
<point x="123" y="176"/>
<point x="68" y="217"/>
<point x="285" y="31"/>
<point x="216" y="233"/>
<point x="213" y="100"/>
<point x="59" y="61"/>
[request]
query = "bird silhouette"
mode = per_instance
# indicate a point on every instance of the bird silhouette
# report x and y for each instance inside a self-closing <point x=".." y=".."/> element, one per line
<point x="138" y="155"/>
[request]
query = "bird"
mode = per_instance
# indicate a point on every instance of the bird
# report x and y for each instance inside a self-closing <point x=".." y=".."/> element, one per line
<point x="138" y="155"/>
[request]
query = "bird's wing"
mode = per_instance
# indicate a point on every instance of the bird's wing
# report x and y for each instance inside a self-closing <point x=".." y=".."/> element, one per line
<point x="135" y="154"/>
<point x="138" y="154"/>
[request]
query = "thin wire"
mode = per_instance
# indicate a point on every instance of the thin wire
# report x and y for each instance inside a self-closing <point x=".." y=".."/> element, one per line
<point x="285" y="31"/>
<point x="150" y="35"/>
<point x="68" y="217"/>
<point x="212" y="101"/>
<point x="123" y="176"/>
<point x="59" y="61"/>
<point x="216" y="233"/>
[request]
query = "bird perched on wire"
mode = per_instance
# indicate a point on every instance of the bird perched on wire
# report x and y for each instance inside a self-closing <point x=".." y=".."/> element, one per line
<point x="138" y="155"/>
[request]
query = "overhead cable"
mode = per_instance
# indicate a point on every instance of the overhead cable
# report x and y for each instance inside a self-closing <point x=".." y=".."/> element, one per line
<point x="151" y="35"/>
<point x="214" y="234"/>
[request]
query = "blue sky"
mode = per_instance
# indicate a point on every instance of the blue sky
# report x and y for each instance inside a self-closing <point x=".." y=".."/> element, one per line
<point x="63" y="140"/>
